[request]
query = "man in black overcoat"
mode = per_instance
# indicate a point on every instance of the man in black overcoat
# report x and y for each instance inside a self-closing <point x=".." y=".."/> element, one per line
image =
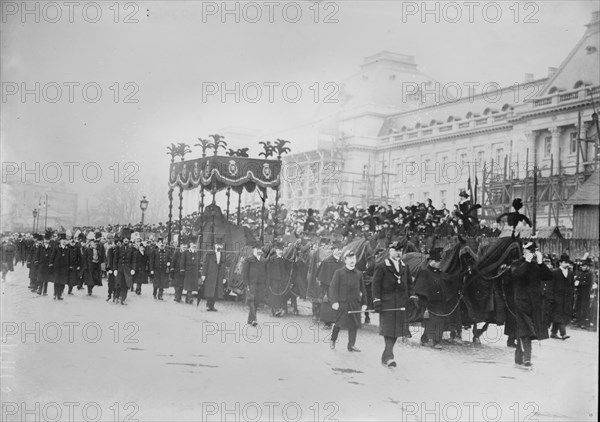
<point x="324" y="276"/>
<point x="159" y="265"/>
<point x="349" y="297"/>
<point x="213" y="275"/>
<point x="562" y="292"/>
<point x="392" y="288"/>
<point x="253" y="274"/>
<point x="528" y="291"/>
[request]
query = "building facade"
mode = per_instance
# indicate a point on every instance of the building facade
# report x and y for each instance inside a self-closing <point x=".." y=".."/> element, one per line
<point x="400" y="137"/>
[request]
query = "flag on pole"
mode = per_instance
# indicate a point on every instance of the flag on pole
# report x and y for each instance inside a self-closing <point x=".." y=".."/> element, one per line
<point x="475" y="200"/>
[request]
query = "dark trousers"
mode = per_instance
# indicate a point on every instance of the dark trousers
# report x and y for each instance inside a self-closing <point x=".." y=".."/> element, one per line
<point x="58" y="289"/>
<point x="210" y="302"/>
<point x="90" y="288"/>
<point x="178" y="293"/>
<point x="388" y="352"/>
<point x="316" y="309"/>
<point x="42" y="287"/>
<point x="123" y="288"/>
<point x="352" y="331"/>
<point x="523" y="350"/>
<point x="157" y="292"/>
<point x="434" y="328"/>
<point x="557" y="326"/>
<point x="111" y="285"/>
<point x="188" y="296"/>
<point x="252" y="304"/>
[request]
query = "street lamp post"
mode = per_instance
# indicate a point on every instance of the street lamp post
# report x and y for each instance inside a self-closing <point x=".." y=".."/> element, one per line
<point x="35" y="214"/>
<point x="143" y="207"/>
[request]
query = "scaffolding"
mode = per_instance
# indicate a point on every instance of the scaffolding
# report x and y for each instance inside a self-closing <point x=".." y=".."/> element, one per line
<point x="541" y="189"/>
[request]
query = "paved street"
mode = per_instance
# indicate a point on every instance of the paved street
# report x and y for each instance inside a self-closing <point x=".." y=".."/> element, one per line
<point x="86" y="359"/>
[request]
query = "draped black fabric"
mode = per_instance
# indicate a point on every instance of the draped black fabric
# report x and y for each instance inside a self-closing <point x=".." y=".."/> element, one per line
<point x="220" y="172"/>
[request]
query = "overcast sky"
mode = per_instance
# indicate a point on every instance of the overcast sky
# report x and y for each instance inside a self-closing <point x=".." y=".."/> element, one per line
<point x="174" y="48"/>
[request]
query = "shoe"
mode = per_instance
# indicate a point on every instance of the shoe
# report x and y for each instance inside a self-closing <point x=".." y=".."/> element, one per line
<point x="89" y="293"/>
<point x="211" y="309"/>
<point x="160" y="298"/>
<point x="527" y="366"/>
<point x="353" y="349"/>
<point x="154" y="296"/>
<point x="54" y="298"/>
<point x="565" y="337"/>
<point x="390" y="363"/>
<point x="554" y="336"/>
<point x="177" y="300"/>
<point x="279" y="313"/>
<point x="123" y="302"/>
<point x="70" y="293"/>
<point x="60" y="298"/>
<point x="332" y="345"/>
<point x="45" y="294"/>
<point x="254" y="323"/>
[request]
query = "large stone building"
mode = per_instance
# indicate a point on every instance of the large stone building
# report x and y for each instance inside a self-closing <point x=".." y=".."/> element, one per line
<point x="400" y="137"/>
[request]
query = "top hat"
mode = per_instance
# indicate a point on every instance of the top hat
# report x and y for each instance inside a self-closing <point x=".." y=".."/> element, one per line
<point x="463" y="194"/>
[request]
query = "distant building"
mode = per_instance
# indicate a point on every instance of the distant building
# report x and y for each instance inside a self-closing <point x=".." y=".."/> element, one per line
<point x="20" y="199"/>
<point x="399" y="137"/>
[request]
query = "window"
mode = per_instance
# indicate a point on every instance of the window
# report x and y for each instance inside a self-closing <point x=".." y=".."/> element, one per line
<point x="573" y="142"/>
<point x="425" y="196"/>
<point x="442" y="196"/>
<point x="365" y="172"/>
<point x="547" y="146"/>
<point x="462" y="159"/>
<point x="480" y="158"/>
<point x="411" y="198"/>
<point x="500" y="155"/>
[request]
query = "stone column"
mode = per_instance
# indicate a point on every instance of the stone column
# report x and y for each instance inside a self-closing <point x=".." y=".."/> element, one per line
<point x="555" y="132"/>
<point x="530" y="153"/>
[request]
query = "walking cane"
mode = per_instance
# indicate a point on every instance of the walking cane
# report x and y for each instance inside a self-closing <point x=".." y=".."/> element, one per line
<point x="373" y="310"/>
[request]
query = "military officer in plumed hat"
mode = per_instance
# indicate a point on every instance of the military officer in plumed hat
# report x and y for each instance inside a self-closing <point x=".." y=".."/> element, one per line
<point x="159" y="265"/>
<point x="348" y="296"/>
<point x="392" y="287"/>
<point x="213" y="274"/>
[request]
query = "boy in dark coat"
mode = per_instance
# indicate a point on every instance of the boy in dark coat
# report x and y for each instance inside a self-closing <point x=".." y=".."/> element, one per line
<point x="190" y="269"/>
<point x="324" y="276"/>
<point x="347" y="294"/>
<point x="159" y="266"/>
<point x="392" y="288"/>
<point x="60" y="264"/>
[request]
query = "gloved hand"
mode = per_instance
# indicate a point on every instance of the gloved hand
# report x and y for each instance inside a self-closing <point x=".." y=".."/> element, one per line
<point x="335" y="306"/>
<point x="414" y="299"/>
<point x="539" y="257"/>
<point x="132" y="272"/>
<point x="116" y="273"/>
<point x="363" y="308"/>
<point x="377" y="305"/>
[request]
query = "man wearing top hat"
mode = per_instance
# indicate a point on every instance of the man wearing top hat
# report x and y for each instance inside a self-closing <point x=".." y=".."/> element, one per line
<point x="91" y="262"/>
<point x="159" y="265"/>
<point x="583" y="283"/>
<point x="110" y="250"/>
<point x="32" y="264"/>
<point x="562" y="291"/>
<point x="435" y="288"/>
<point x="392" y="287"/>
<point x="213" y="275"/>
<point x="278" y="280"/>
<point x="528" y="279"/>
<point x="324" y="276"/>
<point x="253" y="275"/>
<point x="347" y="294"/>
<point x="124" y="269"/>
<point x="190" y="269"/>
<point x="60" y="260"/>
<point x="42" y="260"/>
